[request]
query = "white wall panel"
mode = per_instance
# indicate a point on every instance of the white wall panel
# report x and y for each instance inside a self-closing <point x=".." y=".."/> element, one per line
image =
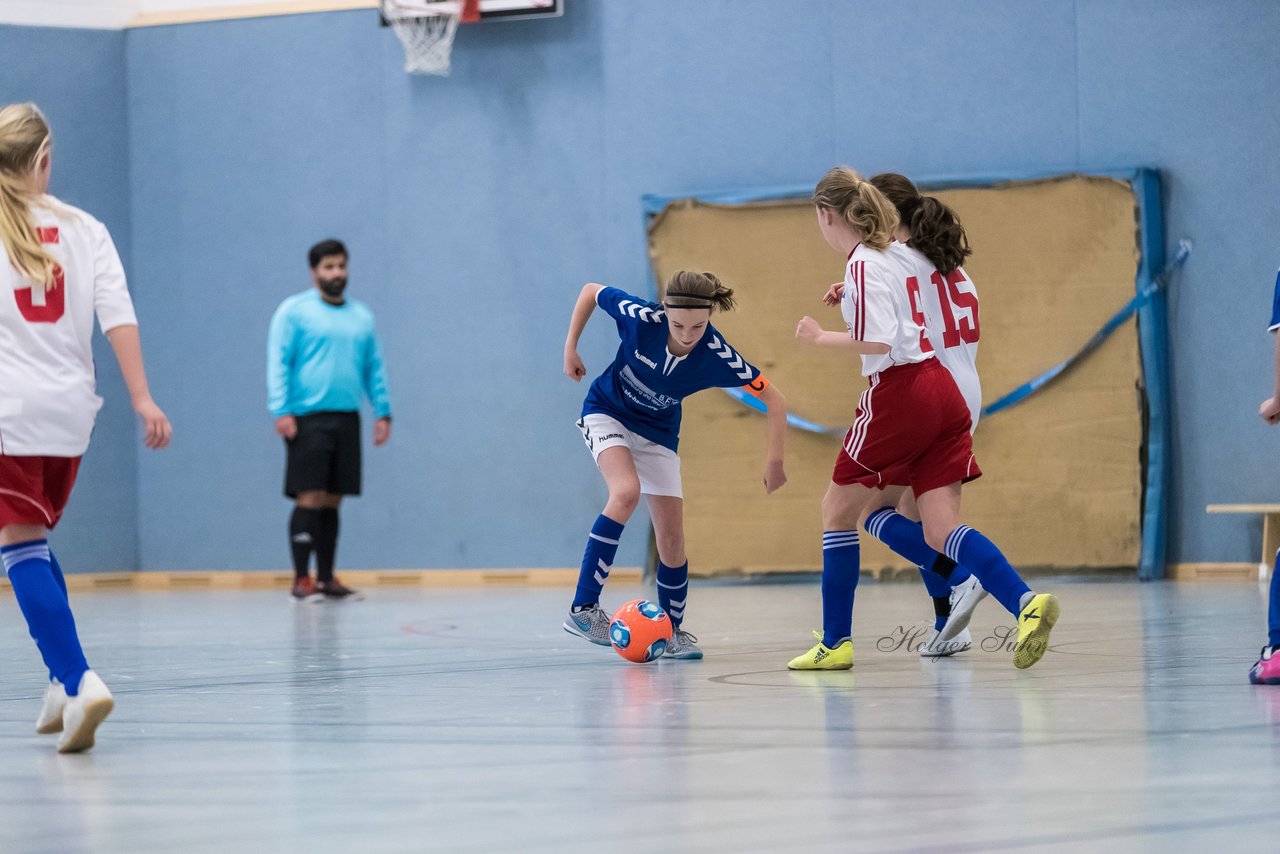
<point x="93" y="14"/>
<point x="113" y="14"/>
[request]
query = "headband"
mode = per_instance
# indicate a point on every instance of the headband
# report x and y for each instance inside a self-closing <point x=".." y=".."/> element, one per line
<point x="683" y="295"/>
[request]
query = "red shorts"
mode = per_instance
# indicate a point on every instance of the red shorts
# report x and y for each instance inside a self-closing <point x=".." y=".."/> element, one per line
<point x="34" y="490"/>
<point x="912" y="429"/>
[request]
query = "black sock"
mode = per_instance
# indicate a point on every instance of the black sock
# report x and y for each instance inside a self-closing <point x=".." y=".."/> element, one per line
<point x="942" y="606"/>
<point x="943" y="566"/>
<point x="303" y="527"/>
<point x="326" y="543"/>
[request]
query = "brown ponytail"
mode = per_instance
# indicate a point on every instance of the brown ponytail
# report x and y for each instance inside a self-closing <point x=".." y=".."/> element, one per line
<point x="859" y="204"/>
<point x="698" y="290"/>
<point x="935" y="229"/>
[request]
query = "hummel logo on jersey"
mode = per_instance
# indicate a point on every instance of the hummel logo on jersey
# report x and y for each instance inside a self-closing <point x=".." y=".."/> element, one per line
<point x="650" y="362"/>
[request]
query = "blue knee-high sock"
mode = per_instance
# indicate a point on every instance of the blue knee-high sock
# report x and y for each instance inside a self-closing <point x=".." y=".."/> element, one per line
<point x="62" y="585"/>
<point x="597" y="560"/>
<point x="968" y="547"/>
<point x="1273" y="609"/>
<point x="840" y="567"/>
<point x="673" y="591"/>
<point x="44" y="605"/>
<point x="902" y="535"/>
<point x="58" y="576"/>
<point x="906" y="538"/>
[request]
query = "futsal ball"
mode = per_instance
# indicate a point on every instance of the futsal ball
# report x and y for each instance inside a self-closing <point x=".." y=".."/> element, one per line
<point x="640" y="631"/>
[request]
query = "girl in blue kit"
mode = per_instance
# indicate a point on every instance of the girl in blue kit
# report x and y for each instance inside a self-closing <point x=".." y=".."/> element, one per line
<point x="631" y="424"/>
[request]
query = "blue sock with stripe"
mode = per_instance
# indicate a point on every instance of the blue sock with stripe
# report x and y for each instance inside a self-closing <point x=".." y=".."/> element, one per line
<point x="1273" y="608"/>
<point x="906" y="538"/>
<point x="968" y="547"/>
<point x="840" y="567"/>
<point x="673" y="591"/>
<point x="44" y="605"/>
<point x="597" y="560"/>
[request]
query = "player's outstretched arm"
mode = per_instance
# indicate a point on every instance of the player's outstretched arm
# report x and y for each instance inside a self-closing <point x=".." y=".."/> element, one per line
<point x="573" y="367"/>
<point x="809" y="331"/>
<point x="776" y="425"/>
<point x="128" y="349"/>
<point x="1270" y="409"/>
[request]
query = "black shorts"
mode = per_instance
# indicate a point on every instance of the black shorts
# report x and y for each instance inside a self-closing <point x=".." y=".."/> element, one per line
<point x="325" y="455"/>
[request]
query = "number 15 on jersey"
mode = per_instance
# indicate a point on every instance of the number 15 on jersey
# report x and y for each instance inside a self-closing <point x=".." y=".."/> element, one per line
<point x="956" y="308"/>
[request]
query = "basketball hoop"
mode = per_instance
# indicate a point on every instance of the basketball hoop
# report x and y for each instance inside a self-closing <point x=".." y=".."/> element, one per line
<point x="426" y="29"/>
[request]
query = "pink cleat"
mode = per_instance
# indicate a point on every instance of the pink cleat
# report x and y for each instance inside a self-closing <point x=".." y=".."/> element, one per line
<point x="1267" y="670"/>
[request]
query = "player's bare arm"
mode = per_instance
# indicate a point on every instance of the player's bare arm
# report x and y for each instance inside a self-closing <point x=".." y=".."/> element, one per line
<point x="574" y="369"/>
<point x="810" y="331"/>
<point x="776" y="418"/>
<point x="128" y="349"/>
<point x="1270" y="409"/>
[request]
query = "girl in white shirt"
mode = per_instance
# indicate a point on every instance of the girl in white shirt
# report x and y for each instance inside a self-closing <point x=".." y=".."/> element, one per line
<point x="912" y="427"/>
<point x="60" y="269"/>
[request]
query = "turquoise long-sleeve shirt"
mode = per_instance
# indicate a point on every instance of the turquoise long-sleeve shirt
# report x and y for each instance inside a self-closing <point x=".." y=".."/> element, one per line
<point x="324" y="358"/>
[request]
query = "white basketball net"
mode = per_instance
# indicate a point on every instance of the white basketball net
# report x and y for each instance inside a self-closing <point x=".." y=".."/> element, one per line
<point x="426" y="29"/>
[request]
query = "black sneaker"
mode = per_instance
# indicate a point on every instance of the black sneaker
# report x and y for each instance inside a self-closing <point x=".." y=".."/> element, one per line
<point x="336" y="590"/>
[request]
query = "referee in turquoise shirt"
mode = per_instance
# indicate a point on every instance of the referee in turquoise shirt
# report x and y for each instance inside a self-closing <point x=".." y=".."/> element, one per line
<point x="322" y="359"/>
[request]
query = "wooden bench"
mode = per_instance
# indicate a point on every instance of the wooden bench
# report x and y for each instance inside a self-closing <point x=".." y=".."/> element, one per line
<point x="1270" y="529"/>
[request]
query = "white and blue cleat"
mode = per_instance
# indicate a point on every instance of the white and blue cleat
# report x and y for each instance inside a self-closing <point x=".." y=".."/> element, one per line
<point x="590" y="623"/>
<point x="683" y="646"/>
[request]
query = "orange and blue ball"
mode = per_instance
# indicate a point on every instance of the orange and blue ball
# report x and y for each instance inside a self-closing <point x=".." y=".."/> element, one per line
<point x="640" y="631"/>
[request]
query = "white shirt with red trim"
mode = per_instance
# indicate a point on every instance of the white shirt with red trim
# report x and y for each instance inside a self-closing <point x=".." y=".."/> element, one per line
<point x="950" y="305"/>
<point x="48" y="398"/>
<point x="877" y="309"/>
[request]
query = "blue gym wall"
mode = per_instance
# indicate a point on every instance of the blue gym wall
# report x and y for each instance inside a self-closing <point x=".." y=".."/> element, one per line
<point x="476" y="205"/>
<point x="78" y="79"/>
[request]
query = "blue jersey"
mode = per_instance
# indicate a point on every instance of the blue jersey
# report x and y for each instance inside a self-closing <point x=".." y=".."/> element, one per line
<point x="323" y="358"/>
<point x="1275" y="307"/>
<point x="645" y="384"/>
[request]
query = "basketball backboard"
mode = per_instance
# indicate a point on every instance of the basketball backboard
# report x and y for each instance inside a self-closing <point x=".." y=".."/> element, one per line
<point x="503" y="10"/>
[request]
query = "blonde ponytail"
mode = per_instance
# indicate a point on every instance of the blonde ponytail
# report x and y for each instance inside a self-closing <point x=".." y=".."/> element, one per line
<point x="24" y="140"/>
<point x="856" y="201"/>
